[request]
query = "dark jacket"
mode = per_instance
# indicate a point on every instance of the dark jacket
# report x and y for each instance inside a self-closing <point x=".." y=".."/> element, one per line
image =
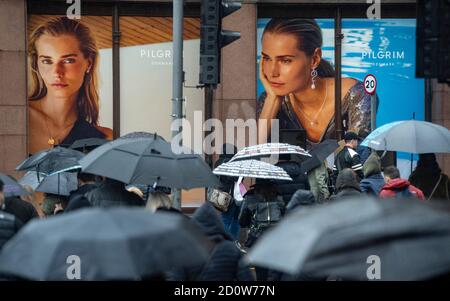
<point x="373" y="180"/>
<point x="299" y="180"/>
<point x="77" y="199"/>
<point x="347" y="158"/>
<point x="258" y="214"/>
<point x="113" y="193"/>
<point x="429" y="178"/>
<point x="9" y="225"/>
<point x="372" y="185"/>
<point x="346" y="193"/>
<point x="21" y="209"/>
<point x="225" y="262"/>
<point x="396" y="186"/>
<point x="301" y="198"/>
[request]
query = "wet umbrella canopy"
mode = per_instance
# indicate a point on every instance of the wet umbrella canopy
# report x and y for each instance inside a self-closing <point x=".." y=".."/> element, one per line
<point x="411" y="240"/>
<point x="252" y="169"/>
<point x="52" y="160"/>
<point x="148" y="161"/>
<point x="109" y="244"/>
<point x="411" y="136"/>
<point x="268" y="149"/>
<point x="11" y="187"/>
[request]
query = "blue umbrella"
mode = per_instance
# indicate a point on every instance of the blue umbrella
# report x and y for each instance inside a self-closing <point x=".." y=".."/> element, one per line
<point x="410" y="136"/>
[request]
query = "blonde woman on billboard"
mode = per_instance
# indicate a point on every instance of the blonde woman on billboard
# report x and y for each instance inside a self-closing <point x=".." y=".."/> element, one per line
<point x="64" y="101"/>
<point x="299" y="84"/>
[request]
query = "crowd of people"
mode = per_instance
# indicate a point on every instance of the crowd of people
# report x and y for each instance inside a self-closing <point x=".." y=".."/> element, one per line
<point x="234" y="230"/>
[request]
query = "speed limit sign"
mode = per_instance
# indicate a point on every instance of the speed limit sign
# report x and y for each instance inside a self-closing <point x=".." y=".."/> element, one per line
<point x="370" y="84"/>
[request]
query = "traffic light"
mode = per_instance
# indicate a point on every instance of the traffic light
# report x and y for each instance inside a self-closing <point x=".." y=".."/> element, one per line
<point x="433" y="39"/>
<point x="213" y="38"/>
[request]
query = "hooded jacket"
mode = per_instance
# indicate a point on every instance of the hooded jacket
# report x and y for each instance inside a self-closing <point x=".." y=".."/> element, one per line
<point x="224" y="263"/>
<point x="429" y="178"/>
<point x="394" y="186"/>
<point x="299" y="199"/>
<point x="373" y="180"/>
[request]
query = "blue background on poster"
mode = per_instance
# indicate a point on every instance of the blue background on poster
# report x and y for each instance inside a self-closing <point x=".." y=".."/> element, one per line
<point x="385" y="48"/>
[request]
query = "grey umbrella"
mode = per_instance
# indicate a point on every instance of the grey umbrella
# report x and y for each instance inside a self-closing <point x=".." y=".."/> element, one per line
<point x="110" y="244"/>
<point x="411" y="136"/>
<point x="61" y="183"/>
<point x="51" y="160"/>
<point x="11" y="187"/>
<point x="410" y="238"/>
<point x="148" y="161"/>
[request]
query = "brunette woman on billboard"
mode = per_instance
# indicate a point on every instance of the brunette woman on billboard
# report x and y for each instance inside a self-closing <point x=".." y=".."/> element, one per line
<point x="64" y="101"/>
<point x="299" y="84"/>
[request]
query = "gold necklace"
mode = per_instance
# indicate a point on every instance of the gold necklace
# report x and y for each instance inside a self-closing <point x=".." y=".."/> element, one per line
<point x="52" y="139"/>
<point x="314" y="120"/>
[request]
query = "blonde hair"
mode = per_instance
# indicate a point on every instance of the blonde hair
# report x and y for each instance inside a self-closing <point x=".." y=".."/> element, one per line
<point x="87" y="101"/>
<point x="157" y="200"/>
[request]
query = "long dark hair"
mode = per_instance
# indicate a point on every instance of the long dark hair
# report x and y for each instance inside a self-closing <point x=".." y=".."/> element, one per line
<point x="308" y="35"/>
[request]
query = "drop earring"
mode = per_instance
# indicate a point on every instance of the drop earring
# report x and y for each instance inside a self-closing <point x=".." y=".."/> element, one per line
<point x="313" y="78"/>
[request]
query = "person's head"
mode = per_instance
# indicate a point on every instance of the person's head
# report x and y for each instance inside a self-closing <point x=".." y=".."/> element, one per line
<point x="2" y="196"/>
<point x="428" y="162"/>
<point x="157" y="200"/>
<point x="347" y="178"/>
<point x="64" y="58"/>
<point x="266" y="189"/>
<point x="85" y="178"/>
<point x="351" y="139"/>
<point x="50" y="202"/>
<point x="391" y="172"/>
<point x="291" y="50"/>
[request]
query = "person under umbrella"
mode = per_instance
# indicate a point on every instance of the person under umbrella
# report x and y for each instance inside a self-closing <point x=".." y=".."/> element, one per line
<point x="373" y="179"/>
<point x="86" y="183"/>
<point x="110" y="193"/>
<point x="262" y="209"/>
<point x="9" y="224"/>
<point x="13" y="204"/>
<point x="429" y="178"/>
<point x="299" y="178"/>
<point x="398" y="187"/>
<point x="225" y="262"/>
<point x="348" y="157"/>
<point x="230" y="218"/>
<point x="347" y="185"/>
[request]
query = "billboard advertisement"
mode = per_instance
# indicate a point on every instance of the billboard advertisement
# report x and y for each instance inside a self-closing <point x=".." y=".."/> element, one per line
<point x="384" y="48"/>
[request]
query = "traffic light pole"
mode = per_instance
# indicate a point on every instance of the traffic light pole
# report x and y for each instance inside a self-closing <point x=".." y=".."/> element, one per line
<point x="177" y="78"/>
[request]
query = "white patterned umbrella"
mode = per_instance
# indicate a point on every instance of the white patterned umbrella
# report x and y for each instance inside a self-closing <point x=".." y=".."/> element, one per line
<point x="252" y="169"/>
<point x="268" y="149"/>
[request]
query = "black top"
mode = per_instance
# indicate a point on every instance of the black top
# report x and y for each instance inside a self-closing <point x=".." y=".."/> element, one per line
<point x="21" y="209"/>
<point x="81" y="130"/>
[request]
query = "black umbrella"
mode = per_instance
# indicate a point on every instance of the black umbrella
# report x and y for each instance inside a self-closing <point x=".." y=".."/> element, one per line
<point x="148" y="161"/>
<point x="51" y="160"/>
<point x="61" y="183"/>
<point x="11" y="187"/>
<point x="411" y="239"/>
<point x="319" y="154"/>
<point x="110" y="244"/>
<point x="87" y="144"/>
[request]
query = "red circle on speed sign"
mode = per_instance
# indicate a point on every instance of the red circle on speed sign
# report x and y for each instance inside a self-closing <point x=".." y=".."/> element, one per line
<point x="370" y="84"/>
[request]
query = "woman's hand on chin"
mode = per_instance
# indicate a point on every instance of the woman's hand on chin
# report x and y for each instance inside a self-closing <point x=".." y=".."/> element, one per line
<point x="267" y="87"/>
